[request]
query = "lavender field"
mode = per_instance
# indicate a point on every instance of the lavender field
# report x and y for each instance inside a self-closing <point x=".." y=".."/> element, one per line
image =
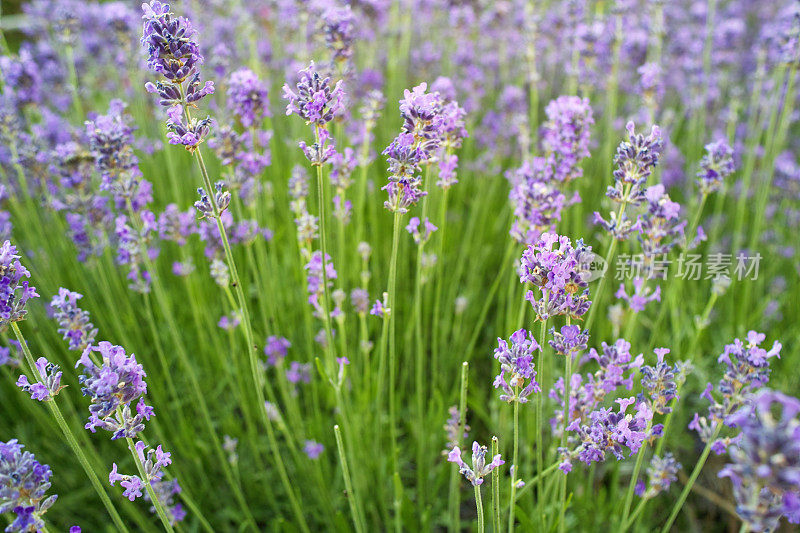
<point x="399" y="265"/>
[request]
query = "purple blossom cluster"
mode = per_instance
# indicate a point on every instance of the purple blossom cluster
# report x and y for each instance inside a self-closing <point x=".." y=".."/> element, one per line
<point x="15" y="291"/>
<point x="635" y="160"/>
<point x="617" y="367"/>
<point x="313" y="98"/>
<point x="641" y="295"/>
<point x="73" y="322"/>
<point x="765" y="461"/>
<point x="716" y="165"/>
<point x="517" y="377"/>
<point x="432" y="127"/>
<point x="479" y="469"/>
<point x="609" y="431"/>
<point x="248" y="97"/>
<point x="111" y="142"/>
<point x="661" y="474"/>
<point x="314" y="279"/>
<point x="46" y="385"/>
<point x="154" y="460"/>
<point x="560" y="275"/>
<point x="113" y="383"/>
<point x="537" y="195"/>
<point x="746" y="366"/>
<point x="24" y="483"/>
<point x="565" y="136"/>
<point x="174" y="55"/>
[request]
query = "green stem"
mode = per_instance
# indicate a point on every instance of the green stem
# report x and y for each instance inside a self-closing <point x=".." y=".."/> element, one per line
<point x="539" y="438"/>
<point x="496" y="490"/>
<point x="695" y="473"/>
<point x="71" y="440"/>
<point x="351" y="495"/>
<point x="565" y="422"/>
<point x="393" y="364"/>
<point x="479" y="506"/>
<point x="455" y="495"/>
<point x="514" y="463"/>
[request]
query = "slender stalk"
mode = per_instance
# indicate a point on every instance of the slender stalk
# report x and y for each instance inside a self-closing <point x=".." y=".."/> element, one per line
<point x="71" y="440"/>
<point x="351" y="495"/>
<point x="565" y="422"/>
<point x="479" y="506"/>
<point x="496" y="490"/>
<point x="692" y="478"/>
<point x="455" y="495"/>
<point x="539" y="439"/>
<point x="323" y="243"/>
<point x="514" y="463"/>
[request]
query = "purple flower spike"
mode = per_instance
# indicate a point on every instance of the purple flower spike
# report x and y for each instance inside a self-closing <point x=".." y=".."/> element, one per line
<point x="47" y="384"/>
<point x="14" y="290"/>
<point x="517" y="376"/>
<point x="479" y="468"/>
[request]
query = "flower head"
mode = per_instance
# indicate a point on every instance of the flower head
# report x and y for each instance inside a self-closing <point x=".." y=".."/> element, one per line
<point x="765" y="462"/>
<point x="14" y="289"/>
<point x="313" y="98"/>
<point x="46" y="385"/>
<point x="74" y="323"/>
<point x="517" y="376"/>
<point x="479" y="468"/>
<point x="716" y="165"/>
<point x="24" y="483"/>
<point x="247" y="97"/>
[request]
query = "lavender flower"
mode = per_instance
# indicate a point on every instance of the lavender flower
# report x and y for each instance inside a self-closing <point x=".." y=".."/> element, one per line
<point x="635" y="160"/>
<point x="46" y="385"/>
<point x="479" y="468"/>
<point x="609" y="431"/>
<point x="173" y="54"/>
<point x="558" y="273"/>
<point x="248" y="97"/>
<point x="565" y="136"/>
<point x="746" y="370"/>
<point x="204" y="206"/>
<point x="404" y="156"/>
<point x="380" y="307"/>
<point x="640" y="296"/>
<point x="14" y="291"/>
<point x="716" y="165"/>
<point x="314" y="280"/>
<point x="765" y="462"/>
<point x="339" y="31"/>
<point x="420" y="234"/>
<point x="662" y="472"/>
<point x="74" y="323"/>
<point x="24" y="482"/>
<point x="660" y="383"/>
<point x="111" y="144"/>
<point x="165" y="491"/>
<point x="153" y="461"/>
<point x="113" y="385"/>
<point x="313" y="449"/>
<point x="517" y="376"/>
<point x="314" y="99"/>
<point x="276" y="349"/>
<point x="569" y="340"/>
<point x="360" y="300"/>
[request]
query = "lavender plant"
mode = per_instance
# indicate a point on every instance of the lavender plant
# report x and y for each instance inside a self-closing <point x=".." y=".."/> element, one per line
<point x="297" y="351"/>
